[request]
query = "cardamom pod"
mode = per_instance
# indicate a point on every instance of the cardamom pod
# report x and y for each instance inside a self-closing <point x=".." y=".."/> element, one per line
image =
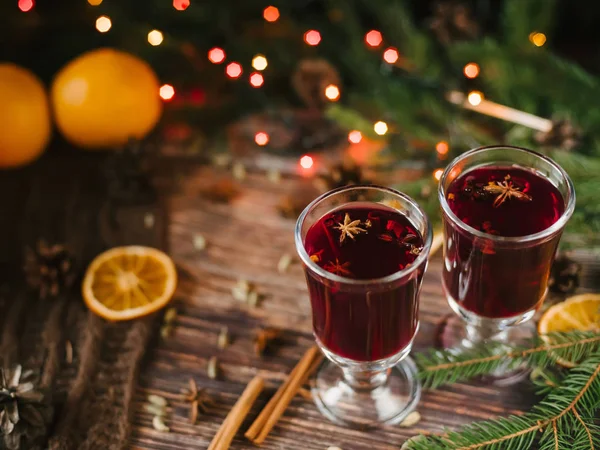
<point x="412" y="419"/>
<point x="159" y="424"/>
<point x="157" y="400"/>
<point x="223" y="339"/>
<point x="212" y="369"/>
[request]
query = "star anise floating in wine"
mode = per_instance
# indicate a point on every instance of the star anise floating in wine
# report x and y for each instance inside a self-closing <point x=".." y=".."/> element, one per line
<point x="349" y="228"/>
<point x="505" y="190"/>
<point x="338" y="268"/>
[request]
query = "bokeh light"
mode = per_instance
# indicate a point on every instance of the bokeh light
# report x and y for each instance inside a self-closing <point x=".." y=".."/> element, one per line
<point x="391" y="55"/>
<point x="332" y="92"/>
<point x="537" y="39"/>
<point x="373" y="38"/>
<point x="181" y="5"/>
<point x="94" y="2"/>
<point x="437" y="174"/>
<point x="271" y="14"/>
<point x="380" y="128"/>
<point x="471" y="70"/>
<point x="216" y="55"/>
<point x="306" y="162"/>
<point x="261" y="138"/>
<point x="155" y="37"/>
<point x="103" y="24"/>
<point x="26" y="5"/>
<point x="442" y="148"/>
<point x="167" y="92"/>
<point x="312" y="37"/>
<point x="233" y="70"/>
<point x="259" y="62"/>
<point x="256" y="79"/>
<point x="355" y="136"/>
<point x="475" y="98"/>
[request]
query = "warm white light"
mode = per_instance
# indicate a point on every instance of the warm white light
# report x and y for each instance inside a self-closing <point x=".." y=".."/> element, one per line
<point x="355" y="136"/>
<point x="261" y="138"/>
<point x="380" y="128"/>
<point x="475" y="98"/>
<point x="216" y="55"/>
<point x="437" y="174"/>
<point x="233" y="70"/>
<point x="259" y="62"/>
<point x="391" y="55"/>
<point x="312" y="37"/>
<point x="166" y="92"/>
<point x="155" y="37"/>
<point x="103" y="24"/>
<point x="332" y="92"/>
<point x="256" y="79"/>
<point x="306" y="162"/>
<point x="373" y="38"/>
<point x="471" y="70"/>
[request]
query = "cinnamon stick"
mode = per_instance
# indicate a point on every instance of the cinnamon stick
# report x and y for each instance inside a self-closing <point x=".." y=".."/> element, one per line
<point x="269" y="416"/>
<point x="236" y="416"/>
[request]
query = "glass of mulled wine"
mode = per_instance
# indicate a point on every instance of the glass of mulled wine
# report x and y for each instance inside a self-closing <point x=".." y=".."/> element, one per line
<point x="364" y="249"/>
<point x="504" y="209"/>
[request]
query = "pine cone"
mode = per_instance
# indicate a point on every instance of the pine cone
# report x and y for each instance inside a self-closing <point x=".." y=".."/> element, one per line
<point x="563" y="135"/>
<point x="343" y="174"/>
<point x="49" y="269"/>
<point x="452" y="21"/>
<point x="311" y="78"/>
<point x="564" y="275"/>
<point x="24" y="411"/>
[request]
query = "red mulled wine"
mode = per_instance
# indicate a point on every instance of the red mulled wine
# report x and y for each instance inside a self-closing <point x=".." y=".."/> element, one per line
<point x="364" y="241"/>
<point x="485" y="276"/>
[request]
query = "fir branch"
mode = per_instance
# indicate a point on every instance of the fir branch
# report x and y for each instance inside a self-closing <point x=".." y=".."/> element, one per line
<point x="565" y="418"/>
<point x="438" y="368"/>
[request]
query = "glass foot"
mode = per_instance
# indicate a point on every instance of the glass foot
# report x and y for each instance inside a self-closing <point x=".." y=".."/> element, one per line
<point x="454" y="334"/>
<point x="387" y="399"/>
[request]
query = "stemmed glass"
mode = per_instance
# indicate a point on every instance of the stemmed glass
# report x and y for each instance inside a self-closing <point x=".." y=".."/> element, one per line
<point x="365" y="327"/>
<point x="495" y="282"/>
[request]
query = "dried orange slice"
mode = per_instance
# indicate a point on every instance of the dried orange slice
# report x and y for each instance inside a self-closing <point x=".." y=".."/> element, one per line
<point x="581" y="312"/>
<point x="124" y="283"/>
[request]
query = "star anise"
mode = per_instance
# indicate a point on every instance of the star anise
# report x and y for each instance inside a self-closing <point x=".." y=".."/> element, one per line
<point x="349" y="228"/>
<point x="505" y="190"/>
<point x="199" y="401"/>
<point x="338" y="268"/>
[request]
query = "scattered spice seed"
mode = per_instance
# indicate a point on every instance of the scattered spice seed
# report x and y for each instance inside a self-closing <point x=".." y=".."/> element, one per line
<point x="165" y="331"/>
<point x="240" y="290"/>
<point x="213" y="368"/>
<point x="412" y="419"/>
<point x="252" y="299"/>
<point x="199" y="242"/>
<point x="223" y="339"/>
<point x="239" y="171"/>
<point x="284" y="263"/>
<point x="170" y="315"/>
<point x="69" y="352"/>
<point x="159" y="424"/>
<point x="157" y="400"/>
<point x="155" y="410"/>
<point x="264" y="338"/>
<point x="149" y="220"/>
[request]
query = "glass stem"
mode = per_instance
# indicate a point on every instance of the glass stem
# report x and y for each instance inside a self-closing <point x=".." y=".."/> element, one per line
<point x="477" y="335"/>
<point x="365" y="380"/>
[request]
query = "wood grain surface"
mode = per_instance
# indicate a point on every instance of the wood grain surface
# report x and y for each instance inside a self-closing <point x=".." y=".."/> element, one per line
<point x="246" y="239"/>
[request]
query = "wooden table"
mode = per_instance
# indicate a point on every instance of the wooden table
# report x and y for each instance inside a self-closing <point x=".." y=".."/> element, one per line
<point x="245" y="241"/>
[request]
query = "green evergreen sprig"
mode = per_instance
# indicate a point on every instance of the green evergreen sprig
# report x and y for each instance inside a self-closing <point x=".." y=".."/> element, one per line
<point x="437" y="368"/>
<point x="563" y="420"/>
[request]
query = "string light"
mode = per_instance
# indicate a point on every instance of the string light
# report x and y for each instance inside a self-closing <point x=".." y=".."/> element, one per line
<point x="259" y="62"/>
<point x="355" y="136"/>
<point x="391" y="55"/>
<point x="332" y="92"/>
<point x="271" y="14"/>
<point x="233" y="70"/>
<point x="94" y="2"/>
<point x="256" y="80"/>
<point x="261" y="138"/>
<point x="25" y="5"/>
<point x="373" y="38"/>
<point x="166" y="92"/>
<point x="536" y="38"/>
<point x="306" y="162"/>
<point x="380" y="128"/>
<point x="475" y="98"/>
<point x="155" y="37"/>
<point x="103" y="24"/>
<point x="312" y="37"/>
<point x="181" y="5"/>
<point x="471" y="70"/>
<point x="216" y="55"/>
<point x="437" y="174"/>
<point x="442" y="148"/>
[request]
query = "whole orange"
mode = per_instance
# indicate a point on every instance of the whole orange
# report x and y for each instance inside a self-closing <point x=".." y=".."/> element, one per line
<point x="104" y="97"/>
<point x="24" y="115"/>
